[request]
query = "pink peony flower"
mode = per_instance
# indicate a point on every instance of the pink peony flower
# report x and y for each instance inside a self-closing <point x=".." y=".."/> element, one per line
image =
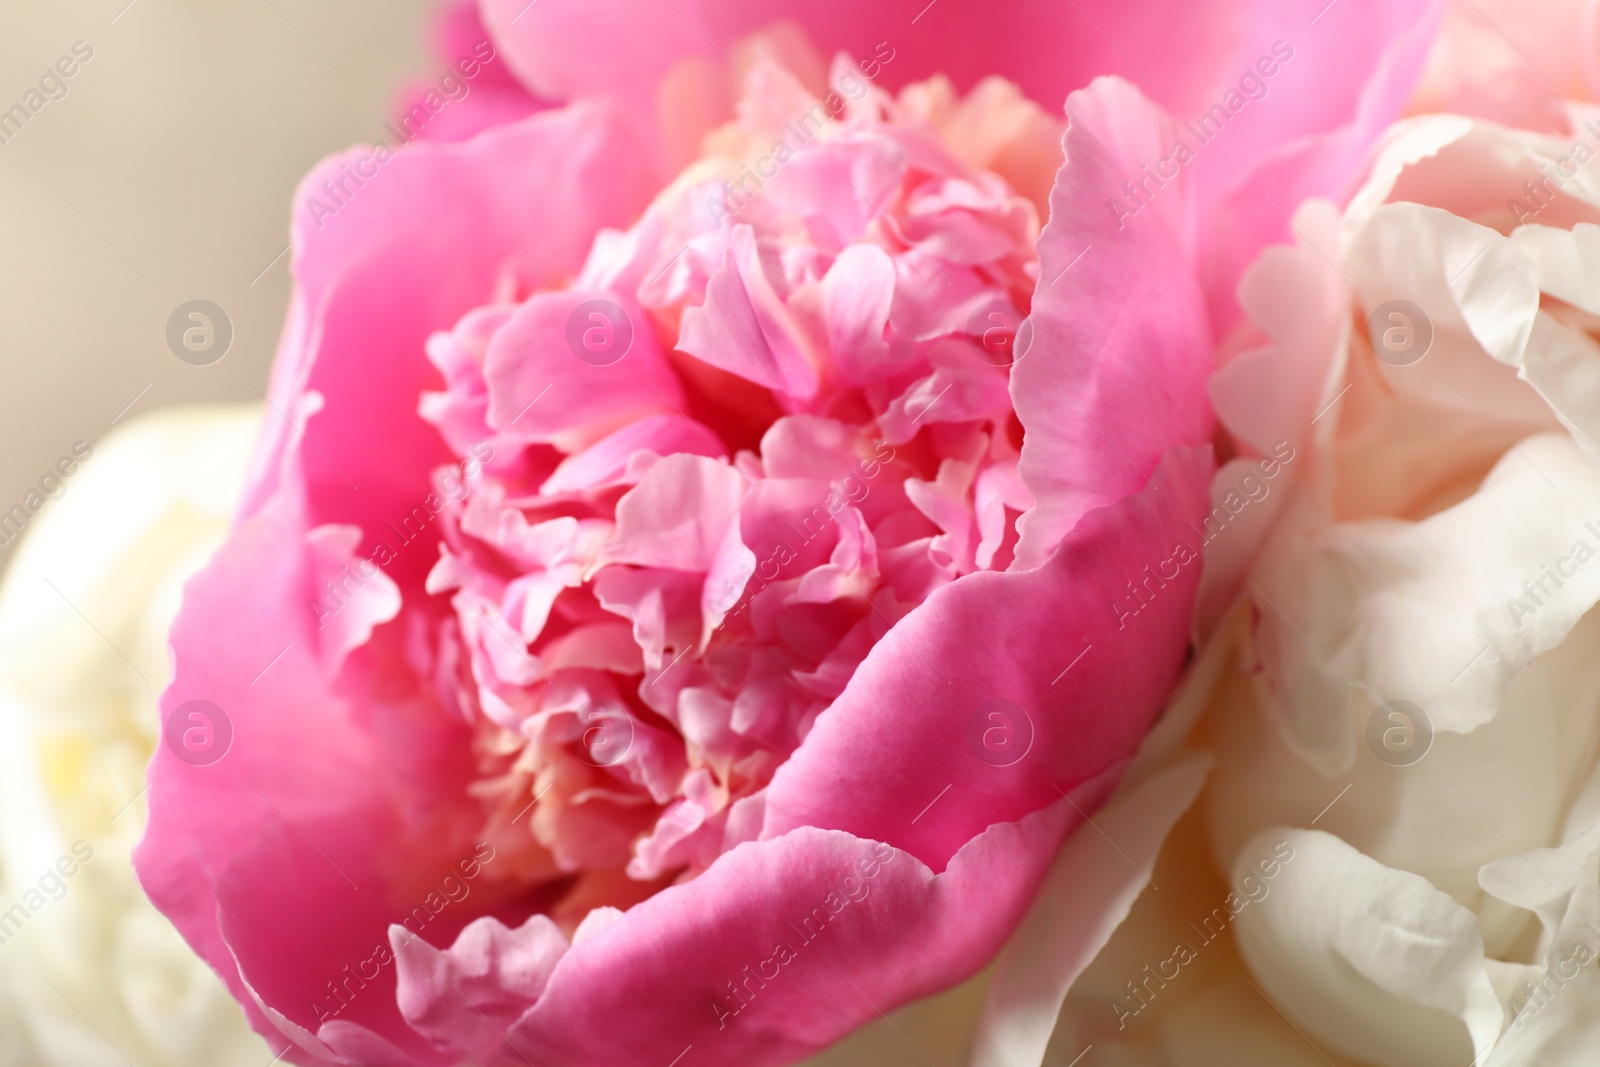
<point x="684" y="618"/>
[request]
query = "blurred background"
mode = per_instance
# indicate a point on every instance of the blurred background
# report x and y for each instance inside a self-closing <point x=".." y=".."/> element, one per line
<point x="164" y="175"/>
<point x="160" y="172"/>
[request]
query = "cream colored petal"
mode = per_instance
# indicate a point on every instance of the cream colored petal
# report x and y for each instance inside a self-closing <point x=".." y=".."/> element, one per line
<point x="1169" y="988"/>
<point x="1564" y="365"/>
<point x="1567" y="261"/>
<point x="84" y="611"/>
<point x="1558" y="1019"/>
<point x="1471" y="799"/>
<point x="1564" y="1034"/>
<point x="1280" y="399"/>
<point x="1369" y="960"/>
<point x="1479" y="289"/>
<point x="1415" y="436"/>
<point x="1405" y="144"/>
<point x="1442" y="612"/>
<point x="1088" y="892"/>
<point x="1483" y="171"/>
<point x="1231" y="1023"/>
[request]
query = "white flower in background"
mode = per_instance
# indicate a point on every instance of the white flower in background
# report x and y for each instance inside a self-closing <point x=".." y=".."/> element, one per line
<point x="90" y="973"/>
<point x="1395" y="858"/>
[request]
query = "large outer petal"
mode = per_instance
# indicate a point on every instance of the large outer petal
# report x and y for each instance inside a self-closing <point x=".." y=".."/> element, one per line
<point x="570" y="48"/>
<point x="899" y="734"/>
<point x="331" y="814"/>
<point x="646" y="989"/>
<point x="406" y="254"/>
<point x="292" y="832"/>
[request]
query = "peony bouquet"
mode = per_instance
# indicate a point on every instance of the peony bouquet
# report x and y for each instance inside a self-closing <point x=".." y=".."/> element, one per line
<point x="766" y="514"/>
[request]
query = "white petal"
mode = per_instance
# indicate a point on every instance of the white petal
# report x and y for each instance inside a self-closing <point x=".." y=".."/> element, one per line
<point x="1231" y="1023"/>
<point x="1372" y="961"/>
<point x="77" y="723"/>
<point x="1442" y="612"/>
<point x="1558" y="1024"/>
<point x="1564" y="366"/>
<point x="1096" y="877"/>
<point x="1479" y="290"/>
<point x="1405" y="144"/>
<point x="1567" y="261"/>
<point x="1470" y="800"/>
<point x="1276" y="399"/>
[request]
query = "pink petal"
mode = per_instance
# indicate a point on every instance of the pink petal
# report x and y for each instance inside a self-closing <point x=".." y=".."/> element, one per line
<point x="1115" y="374"/>
<point x="610" y="461"/>
<point x="493" y="972"/>
<point x="408" y="253"/>
<point x="676" y="516"/>
<point x="998" y="488"/>
<point x="662" y="605"/>
<point x="809" y="447"/>
<point x="350" y="602"/>
<point x="859" y="289"/>
<point x="839" y="186"/>
<point x="461" y="411"/>
<point x="1347" y="80"/>
<point x="541" y="390"/>
<point x="569" y="48"/>
<point x="962" y="389"/>
<point x="678" y="965"/>
<point x="944" y="501"/>
<point x="898" y="737"/>
<point x="744" y="328"/>
<point x="308" y="833"/>
<point x="475" y="90"/>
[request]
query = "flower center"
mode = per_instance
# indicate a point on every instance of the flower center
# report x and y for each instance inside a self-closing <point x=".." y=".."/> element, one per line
<point x="780" y="420"/>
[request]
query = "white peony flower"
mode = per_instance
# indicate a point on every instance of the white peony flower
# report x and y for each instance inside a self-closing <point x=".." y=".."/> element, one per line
<point x="90" y="973"/>
<point x="1395" y="858"/>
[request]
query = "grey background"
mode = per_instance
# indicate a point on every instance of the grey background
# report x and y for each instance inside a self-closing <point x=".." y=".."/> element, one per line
<point x="173" y="155"/>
